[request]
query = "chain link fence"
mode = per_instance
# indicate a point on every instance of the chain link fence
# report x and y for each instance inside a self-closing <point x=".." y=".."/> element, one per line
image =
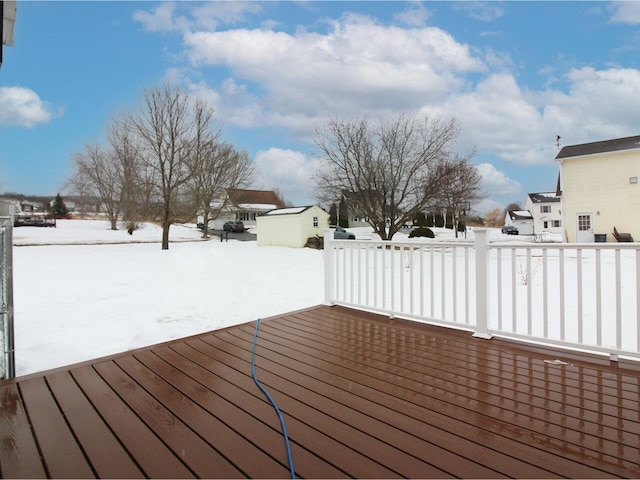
<point x="7" y="359"/>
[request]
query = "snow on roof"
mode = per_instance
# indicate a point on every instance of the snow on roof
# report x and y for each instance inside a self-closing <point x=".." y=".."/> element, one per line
<point x="544" y="197"/>
<point x="287" y="211"/>
<point x="257" y="206"/>
<point x="520" y="214"/>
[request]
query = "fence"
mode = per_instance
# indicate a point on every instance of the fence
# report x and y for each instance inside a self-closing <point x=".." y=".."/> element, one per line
<point x="7" y="363"/>
<point x="582" y="296"/>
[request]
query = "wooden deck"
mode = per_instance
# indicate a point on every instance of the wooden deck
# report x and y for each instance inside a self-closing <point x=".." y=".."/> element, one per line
<point x="363" y="396"/>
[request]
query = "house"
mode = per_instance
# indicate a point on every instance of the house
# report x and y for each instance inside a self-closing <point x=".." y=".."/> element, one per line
<point x="9" y="206"/>
<point x="244" y="205"/>
<point x="546" y="210"/>
<point x="600" y="189"/>
<point x="521" y="219"/>
<point x="291" y="227"/>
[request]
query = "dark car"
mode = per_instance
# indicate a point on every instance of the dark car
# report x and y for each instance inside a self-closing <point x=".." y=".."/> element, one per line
<point x="510" y="230"/>
<point x="340" y="233"/>
<point x="233" y="227"/>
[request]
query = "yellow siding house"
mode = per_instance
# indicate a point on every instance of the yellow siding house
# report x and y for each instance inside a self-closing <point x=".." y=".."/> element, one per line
<point x="600" y="189"/>
<point x="291" y="227"/>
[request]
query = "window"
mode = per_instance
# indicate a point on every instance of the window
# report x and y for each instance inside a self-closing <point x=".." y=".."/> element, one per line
<point x="556" y="223"/>
<point x="315" y="221"/>
<point x="545" y="208"/>
<point x="545" y="224"/>
<point x="584" y="223"/>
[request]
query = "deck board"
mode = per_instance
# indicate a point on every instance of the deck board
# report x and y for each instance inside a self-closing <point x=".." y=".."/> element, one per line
<point x="363" y="395"/>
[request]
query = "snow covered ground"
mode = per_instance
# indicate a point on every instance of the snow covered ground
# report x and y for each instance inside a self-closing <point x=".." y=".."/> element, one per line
<point x="76" y="297"/>
<point x="82" y="291"/>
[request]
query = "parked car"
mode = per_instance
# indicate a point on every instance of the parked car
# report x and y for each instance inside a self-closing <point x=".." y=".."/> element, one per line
<point x="340" y="233"/>
<point x="233" y="227"/>
<point x="510" y="230"/>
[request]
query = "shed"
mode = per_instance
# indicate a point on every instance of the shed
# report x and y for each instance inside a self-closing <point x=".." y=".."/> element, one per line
<point x="291" y="227"/>
<point x="521" y="219"/>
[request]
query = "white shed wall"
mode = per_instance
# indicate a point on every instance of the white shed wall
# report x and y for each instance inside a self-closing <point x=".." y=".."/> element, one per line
<point x="291" y="230"/>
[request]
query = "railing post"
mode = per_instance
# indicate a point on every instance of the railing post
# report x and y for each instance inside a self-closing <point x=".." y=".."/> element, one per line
<point x="329" y="274"/>
<point x="482" y="283"/>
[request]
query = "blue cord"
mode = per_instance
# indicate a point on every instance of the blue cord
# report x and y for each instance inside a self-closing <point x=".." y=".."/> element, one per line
<point x="275" y="406"/>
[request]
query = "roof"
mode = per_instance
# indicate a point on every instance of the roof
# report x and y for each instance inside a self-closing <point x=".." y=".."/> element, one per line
<point x="291" y="210"/>
<point x="520" y="215"/>
<point x="606" y="146"/>
<point x="363" y="396"/>
<point x="546" y="197"/>
<point x="255" y="199"/>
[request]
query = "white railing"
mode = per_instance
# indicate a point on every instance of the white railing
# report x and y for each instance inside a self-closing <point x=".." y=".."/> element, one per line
<point x="583" y="296"/>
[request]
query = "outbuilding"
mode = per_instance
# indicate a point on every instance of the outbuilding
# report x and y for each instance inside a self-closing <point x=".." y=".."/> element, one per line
<point x="291" y="227"/>
<point x="521" y="219"/>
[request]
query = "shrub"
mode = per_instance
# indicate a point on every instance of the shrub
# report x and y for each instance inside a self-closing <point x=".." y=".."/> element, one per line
<point x="422" y="232"/>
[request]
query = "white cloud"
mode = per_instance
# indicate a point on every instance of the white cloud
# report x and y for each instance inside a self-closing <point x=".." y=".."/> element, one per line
<point x="483" y="11"/>
<point x="160" y="19"/>
<point x="596" y="106"/>
<point x="497" y="117"/>
<point x="358" y="66"/>
<point x="415" y="15"/>
<point x="23" y="107"/>
<point x="495" y="182"/>
<point x="165" y="17"/>
<point x="286" y="170"/>
<point x="625" y="12"/>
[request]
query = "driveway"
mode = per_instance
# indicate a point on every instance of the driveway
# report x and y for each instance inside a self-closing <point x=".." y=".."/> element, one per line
<point x="243" y="237"/>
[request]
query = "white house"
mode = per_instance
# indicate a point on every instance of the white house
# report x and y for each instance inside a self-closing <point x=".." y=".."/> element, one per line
<point x="521" y="219"/>
<point x="291" y="227"/>
<point x="546" y="210"/>
<point x="243" y="205"/>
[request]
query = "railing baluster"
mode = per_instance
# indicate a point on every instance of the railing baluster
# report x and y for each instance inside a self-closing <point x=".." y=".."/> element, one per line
<point x="598" y="298"/>
<point x="499" y="287"/>
<point x="529" y="281"/>
<point x="545" y="292"/>
<point x="454" y="270"/>
<point x="637" y="300"/>
<point x="618" y="301"/>
<point x="514" y="303"/>
<point x="563" y="332"/>
<point x="421" y="250"/>
<point x="432" y="283"/>
<point x="443" y="284"/>
<point x="579" y="271"/>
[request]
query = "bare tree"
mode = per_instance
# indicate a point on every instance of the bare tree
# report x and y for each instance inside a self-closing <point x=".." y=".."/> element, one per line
<point x="460" y="187"/>
<point x="219" y="167"/>
<point x="169" y="126"/>
<point x="493" y="218"/>
<point x="96" y="172"/>
<point x="388" y="172"/>
<point x="134" y="187"/>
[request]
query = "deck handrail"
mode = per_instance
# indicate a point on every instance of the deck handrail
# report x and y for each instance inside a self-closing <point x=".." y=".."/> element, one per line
<point x="579" y="296"/>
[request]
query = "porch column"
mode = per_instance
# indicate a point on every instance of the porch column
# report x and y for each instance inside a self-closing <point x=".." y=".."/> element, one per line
<point x="482" y="283"/>
<point x="328" y="267"/>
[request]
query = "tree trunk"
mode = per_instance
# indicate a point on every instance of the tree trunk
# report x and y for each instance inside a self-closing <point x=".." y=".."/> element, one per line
<point x="166" y="224"/>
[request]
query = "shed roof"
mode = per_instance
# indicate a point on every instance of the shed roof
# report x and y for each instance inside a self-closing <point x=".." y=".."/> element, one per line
<point x="291" y="210"/>
<point x="520" y="215"/>
<point x="615" y="145"/>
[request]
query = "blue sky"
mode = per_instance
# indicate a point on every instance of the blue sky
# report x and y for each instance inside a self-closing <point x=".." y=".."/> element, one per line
<point x="513" y="74"/>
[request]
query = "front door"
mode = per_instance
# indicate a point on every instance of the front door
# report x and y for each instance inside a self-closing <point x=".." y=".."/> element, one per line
<point x="584" y="227"/>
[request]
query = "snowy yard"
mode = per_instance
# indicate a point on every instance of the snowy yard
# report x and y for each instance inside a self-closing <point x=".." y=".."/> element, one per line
<point x="76" y="302"/>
